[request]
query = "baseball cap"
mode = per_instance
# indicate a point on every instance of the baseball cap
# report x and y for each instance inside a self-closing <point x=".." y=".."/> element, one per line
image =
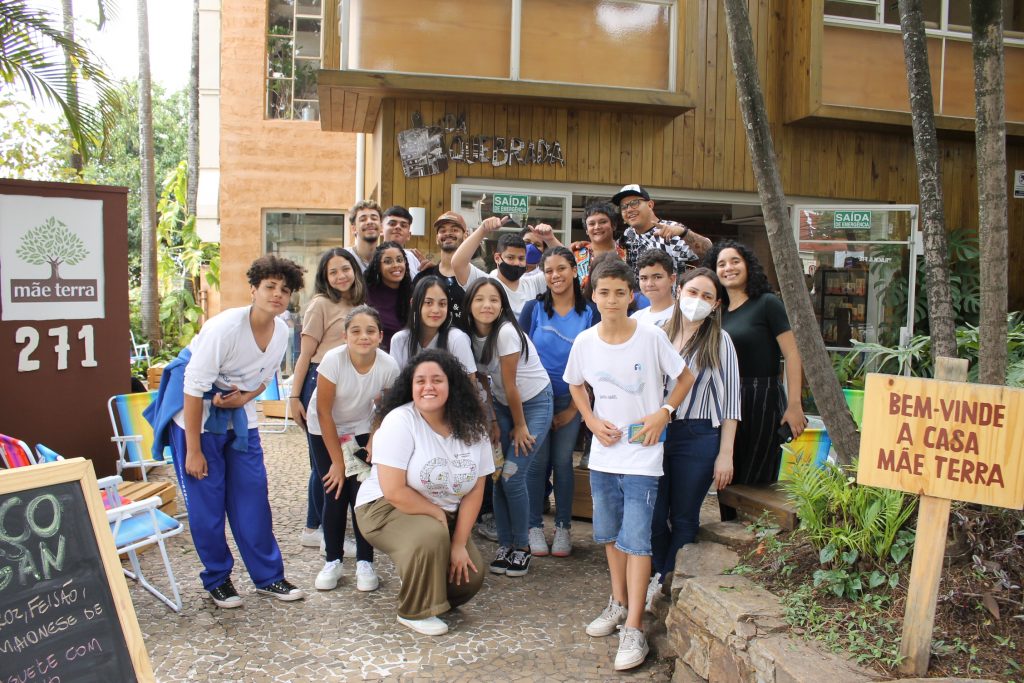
<point x="451" y="217"/>
<point x="630" y="191"/>
<point x="532" y="255"/>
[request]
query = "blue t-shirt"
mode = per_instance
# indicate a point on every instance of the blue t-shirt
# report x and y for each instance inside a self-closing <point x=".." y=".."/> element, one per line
<point x="554" y="336"/>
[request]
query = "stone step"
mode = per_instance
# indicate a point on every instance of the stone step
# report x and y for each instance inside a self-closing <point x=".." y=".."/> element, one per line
<point x="756" y="500"/>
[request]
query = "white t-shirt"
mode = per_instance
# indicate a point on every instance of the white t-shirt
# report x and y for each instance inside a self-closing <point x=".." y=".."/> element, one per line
<point x="529" y="288"/>
<point x="225" y="354"/>
<point x="659" y="319"/>
<point x="443" y="469"/>
<point x="412" y="263"/>
<point x="355" y="393"/>
<point x="458" y="345"/>
<point x="628" y="380"/>
<point x="531" y="377"/>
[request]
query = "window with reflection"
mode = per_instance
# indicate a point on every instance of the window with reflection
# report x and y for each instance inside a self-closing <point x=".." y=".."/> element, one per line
<point x="294" y="48"/>
<point x="957" y="16"/>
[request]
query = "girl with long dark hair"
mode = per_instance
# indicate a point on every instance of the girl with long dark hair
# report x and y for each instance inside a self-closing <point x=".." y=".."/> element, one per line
<point x="522" y="400"/>
<point x="429" y="326"/>
<point x="388" y="288"/>
<point x="552" y="321"/>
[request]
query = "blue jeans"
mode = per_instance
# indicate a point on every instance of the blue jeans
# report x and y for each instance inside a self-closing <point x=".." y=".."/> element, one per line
<point x="623" y="505"/>
<point x="511" y="498"/>
<point x="557" y="451"/>
<point x="314" y="488"/>
<point x="689" y="463"/>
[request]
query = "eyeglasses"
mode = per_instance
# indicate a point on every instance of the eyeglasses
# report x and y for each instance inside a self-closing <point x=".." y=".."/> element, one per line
<point x="626" y="206"/>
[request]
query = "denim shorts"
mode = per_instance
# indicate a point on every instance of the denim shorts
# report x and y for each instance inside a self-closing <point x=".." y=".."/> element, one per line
<point x="623" y="508"/>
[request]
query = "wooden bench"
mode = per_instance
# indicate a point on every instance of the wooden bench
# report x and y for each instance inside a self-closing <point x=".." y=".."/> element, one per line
<point x="141" y="490"/>
<point x="754" y="501"/>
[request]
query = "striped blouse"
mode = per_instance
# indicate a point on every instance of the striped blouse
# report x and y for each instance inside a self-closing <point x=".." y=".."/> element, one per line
<point x="715" y="395"/>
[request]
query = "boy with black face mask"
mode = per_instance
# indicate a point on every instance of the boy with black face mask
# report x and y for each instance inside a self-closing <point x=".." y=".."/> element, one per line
<point x="510" y="258"/>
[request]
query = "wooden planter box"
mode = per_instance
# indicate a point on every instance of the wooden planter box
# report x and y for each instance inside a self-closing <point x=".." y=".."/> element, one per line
<point x="153" y="375"/>
<point x="582" y="503"/>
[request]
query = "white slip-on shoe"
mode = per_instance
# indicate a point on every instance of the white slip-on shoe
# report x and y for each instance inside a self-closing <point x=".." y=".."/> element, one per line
<point x="561" y="546"/>
<point x="431" y="626"/>
<point x="538" y="544"/>
<point x="328" y="577"/>
<point x="632" y="648"/>
<point x="366" y="577"/>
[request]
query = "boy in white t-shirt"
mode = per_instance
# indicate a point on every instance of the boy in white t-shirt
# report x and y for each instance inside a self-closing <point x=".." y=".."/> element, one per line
<point x="657" y="282"/>
<point x="625" y="363"/>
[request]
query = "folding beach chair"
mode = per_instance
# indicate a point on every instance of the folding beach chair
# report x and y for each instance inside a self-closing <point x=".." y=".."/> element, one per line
<point x="15" y="452"/>
<point x="45" y="454"/>
<point x="135" y="525"/>
<point x="139" y="351"/>
<point x="133" y="434"/>
<point x="275" y="425"/>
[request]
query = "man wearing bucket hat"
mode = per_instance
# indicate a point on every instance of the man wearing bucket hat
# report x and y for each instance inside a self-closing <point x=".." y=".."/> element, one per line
<point x="645" y="231"/>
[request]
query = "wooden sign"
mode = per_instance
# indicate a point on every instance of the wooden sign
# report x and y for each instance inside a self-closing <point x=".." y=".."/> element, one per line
<point x="944" y="439"/>
<point x="65" y="611"/>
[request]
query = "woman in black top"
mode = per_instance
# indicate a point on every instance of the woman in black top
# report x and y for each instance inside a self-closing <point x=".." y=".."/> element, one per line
<point x="757" y="323"/>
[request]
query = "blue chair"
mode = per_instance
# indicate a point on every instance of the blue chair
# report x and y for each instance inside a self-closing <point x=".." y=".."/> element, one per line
<point x="135" y="525"/>
<point x="133" y="435"/>
<point x="47" y="454"/>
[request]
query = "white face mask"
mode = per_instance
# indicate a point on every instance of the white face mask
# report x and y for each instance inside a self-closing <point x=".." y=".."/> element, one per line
<point x="694" y="309"/>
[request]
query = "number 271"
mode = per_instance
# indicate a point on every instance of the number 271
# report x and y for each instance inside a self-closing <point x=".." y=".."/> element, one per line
<point x="29" y="336"/>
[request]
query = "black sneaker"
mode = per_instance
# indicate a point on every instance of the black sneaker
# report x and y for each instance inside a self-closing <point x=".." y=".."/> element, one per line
<point x="226" y="596"/>
<point x="282" y="590"/>
<point x="518" y="563"/>
<point x="500" y="563"/>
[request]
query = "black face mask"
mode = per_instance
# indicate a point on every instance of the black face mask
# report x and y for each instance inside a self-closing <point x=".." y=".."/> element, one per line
<point x="511" y="272"/>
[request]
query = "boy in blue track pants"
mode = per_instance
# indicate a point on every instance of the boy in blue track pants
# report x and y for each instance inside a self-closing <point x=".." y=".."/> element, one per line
<point x="205" y="411"/>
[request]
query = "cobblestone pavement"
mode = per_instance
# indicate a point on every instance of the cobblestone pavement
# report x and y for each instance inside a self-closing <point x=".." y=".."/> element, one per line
<point x="521" y="629"/>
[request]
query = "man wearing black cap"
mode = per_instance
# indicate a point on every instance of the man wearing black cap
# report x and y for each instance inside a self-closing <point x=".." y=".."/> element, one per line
<point x="645" y="231"/>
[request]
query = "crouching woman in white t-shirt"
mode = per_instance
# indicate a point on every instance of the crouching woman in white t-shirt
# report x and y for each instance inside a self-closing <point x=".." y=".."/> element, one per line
<point x="431" y="454"/>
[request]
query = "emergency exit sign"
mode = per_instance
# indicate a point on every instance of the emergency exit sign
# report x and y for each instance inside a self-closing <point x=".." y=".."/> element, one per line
<point x="505" y="204"/>
<point x="852" y="220"/>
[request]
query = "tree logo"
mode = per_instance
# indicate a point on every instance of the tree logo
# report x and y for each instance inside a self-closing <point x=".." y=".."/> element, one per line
<point x="53" y="244"/>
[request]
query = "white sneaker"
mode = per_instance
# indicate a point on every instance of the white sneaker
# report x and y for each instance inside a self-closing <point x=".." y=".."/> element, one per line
<point x="349" y="546"/>
<point x="562" y="544"/>
<point x="431" y="626"/>
<point x="613" y="615"/>
<point x="328" y="577"/>
<point x="487" y="527"/>
<point x="538" y="544"/>
<point x="653" y="588"/>
<point x="311" y="539"/>
<point x="632" y="648"/>
<point x="366" y="578"/>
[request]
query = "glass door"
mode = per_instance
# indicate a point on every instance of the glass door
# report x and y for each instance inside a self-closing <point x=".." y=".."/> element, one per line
<point x="527" y="207"/>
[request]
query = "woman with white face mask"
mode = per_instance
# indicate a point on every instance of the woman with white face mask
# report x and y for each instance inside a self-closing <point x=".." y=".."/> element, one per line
<point x="699" y="445"/>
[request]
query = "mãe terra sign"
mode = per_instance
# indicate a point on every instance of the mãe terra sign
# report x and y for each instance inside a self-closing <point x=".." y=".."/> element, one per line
<point x="946" y="439"/>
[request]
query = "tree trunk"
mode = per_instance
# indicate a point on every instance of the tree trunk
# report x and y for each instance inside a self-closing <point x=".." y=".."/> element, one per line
<point x="818" y="367"/>
<point x="192" y="187"/>
<point x="990" y="139"/>
<point x="71" y="75"/>
<point x="941" y="319"/>
<point x="147" y="195"/>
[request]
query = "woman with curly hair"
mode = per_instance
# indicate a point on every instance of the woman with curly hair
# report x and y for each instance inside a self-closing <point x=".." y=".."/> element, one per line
<point x="419" y="504"/>
<point x="389" y="288"/>
<point x="756" y="321"/>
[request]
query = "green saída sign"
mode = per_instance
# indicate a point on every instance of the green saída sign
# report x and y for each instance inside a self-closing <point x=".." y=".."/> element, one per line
<point x="852" y="220"/>
<point x="505" y="204"/>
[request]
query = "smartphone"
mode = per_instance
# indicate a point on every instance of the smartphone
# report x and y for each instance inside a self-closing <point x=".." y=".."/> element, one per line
<point x="785" y="433"/>
<point x="634" y="433"/>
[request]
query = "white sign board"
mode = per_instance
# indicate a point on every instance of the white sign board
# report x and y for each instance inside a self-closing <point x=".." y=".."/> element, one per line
<point x="1018" y="184"/>
<point x="51" y="258"/>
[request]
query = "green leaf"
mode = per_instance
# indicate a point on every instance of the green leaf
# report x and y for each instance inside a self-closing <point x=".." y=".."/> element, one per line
<point x="849" y="557"/>
<point x="899" y="552"/>
<point x="827" y="554"/>
<point x="894" y="580"/>
<point x="876" y="579"/>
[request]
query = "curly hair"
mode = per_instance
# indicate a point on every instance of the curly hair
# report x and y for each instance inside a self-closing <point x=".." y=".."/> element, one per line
<point x="356" y="293"/>
<point x="274" y="266"/>
<point x="757" y="281"/>
<point x="463" y="410"/>
<point x="360" y="206"/>
<point x="374" y="278"/>
<point x="601" y="207"/>
<point x="579" y="302"/>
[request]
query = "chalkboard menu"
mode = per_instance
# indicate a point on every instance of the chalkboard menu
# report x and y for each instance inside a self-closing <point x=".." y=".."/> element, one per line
<point x="59" y="618"/>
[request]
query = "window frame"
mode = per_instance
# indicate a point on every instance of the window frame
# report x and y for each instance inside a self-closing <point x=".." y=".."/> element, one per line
<point x="317" y="61"/>
<point x="879" y="24"/>
<point x="515" y="29"/>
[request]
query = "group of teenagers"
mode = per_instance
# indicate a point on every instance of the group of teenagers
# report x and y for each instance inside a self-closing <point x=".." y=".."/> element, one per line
<point x="437" y="397"/>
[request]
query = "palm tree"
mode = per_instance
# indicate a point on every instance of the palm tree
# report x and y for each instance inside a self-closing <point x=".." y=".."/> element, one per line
<point x="150" y="294"/>
<point x="35" y="54"/>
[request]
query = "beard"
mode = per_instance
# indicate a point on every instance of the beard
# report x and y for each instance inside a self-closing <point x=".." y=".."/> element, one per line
<point x="449" y="247"/>
<point x="371" y="240"/>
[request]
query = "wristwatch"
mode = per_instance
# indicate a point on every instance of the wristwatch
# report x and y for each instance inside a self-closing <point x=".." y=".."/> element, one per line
<point x="669" y="408"/>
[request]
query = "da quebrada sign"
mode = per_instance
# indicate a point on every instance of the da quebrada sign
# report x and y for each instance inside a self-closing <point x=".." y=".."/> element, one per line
<point x="945" y="439"/>
<point x="51" y="258"/>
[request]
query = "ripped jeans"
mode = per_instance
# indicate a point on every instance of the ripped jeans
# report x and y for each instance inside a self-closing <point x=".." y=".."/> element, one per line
<point x="511" y="499"/>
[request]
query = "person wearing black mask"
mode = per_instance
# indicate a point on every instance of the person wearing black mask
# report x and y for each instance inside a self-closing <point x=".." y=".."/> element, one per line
<point x="510" y="257"/>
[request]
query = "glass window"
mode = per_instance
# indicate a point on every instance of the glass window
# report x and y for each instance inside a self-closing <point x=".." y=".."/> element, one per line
<point x="301" y="236"/>
<point x="607" y="42"/>
<point x="476" y="204"/>
<point x="859" y="9"/>
<point x="294" y="48"/>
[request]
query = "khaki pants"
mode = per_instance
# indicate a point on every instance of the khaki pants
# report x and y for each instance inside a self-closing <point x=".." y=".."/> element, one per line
<point x="420" y="548"/>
